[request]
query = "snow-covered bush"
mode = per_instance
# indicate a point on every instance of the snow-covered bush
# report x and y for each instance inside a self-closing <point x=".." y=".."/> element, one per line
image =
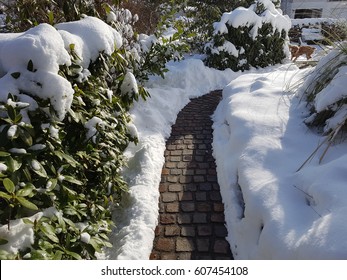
<point x="249" y="37"/>
<point x="200" y="16"/>
<point x="324" y="94"/>
<point x="64" y="97"/>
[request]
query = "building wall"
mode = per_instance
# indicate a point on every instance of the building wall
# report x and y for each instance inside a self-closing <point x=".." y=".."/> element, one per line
<point x="330" y="9"/>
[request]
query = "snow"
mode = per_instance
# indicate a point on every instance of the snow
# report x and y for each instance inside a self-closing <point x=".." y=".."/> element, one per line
<point x="277" y="216"/>
<point x="272" y="210"/>
<point x="129" y="84"/>
<point x="92" y="126"/>
<point x="247" y="17"/>
<point x="333" y="92"/>
<point x="30" y="60"/>
<point x="136" y="218"/>
<point x="90" y="36"/>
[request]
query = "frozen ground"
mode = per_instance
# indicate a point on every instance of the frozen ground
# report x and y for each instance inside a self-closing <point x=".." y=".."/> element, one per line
<point x="272" y="210"/>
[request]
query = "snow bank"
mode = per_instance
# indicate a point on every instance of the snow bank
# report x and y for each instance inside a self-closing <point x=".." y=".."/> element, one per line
<point x="137" y="218"/>
<point x="272" y="211"/>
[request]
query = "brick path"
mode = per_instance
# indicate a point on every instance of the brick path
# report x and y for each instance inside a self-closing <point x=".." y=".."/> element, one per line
<point x="191" y="220"/>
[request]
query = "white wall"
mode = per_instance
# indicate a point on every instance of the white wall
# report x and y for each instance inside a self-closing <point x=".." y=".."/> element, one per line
<point x="331" y="9"/>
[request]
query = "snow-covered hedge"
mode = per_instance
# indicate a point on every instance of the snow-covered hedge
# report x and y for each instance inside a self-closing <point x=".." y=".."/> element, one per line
<point x="64" y="96"/>
<point x="249" y="37"/>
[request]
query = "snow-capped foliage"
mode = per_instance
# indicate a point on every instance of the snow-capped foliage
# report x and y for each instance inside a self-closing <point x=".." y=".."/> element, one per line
<point x="325" y="92"/>
<point x="30" y="62"/>
<point x="65" y="92"/>
<point x="247" y="37"/>
<point x="90" y="36"/>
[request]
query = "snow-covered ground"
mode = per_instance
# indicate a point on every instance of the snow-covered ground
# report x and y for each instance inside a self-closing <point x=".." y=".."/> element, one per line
<point x="272" y="211"/>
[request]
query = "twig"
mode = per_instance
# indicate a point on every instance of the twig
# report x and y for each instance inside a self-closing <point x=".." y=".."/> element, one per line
<point x="312" y="154"/>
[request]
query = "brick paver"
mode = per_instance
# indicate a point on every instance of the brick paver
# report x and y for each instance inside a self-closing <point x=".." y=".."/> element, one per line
<point x="191" y="213"/>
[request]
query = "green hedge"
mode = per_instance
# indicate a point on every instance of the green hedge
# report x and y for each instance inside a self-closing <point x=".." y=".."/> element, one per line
<point x="266" y="48"/>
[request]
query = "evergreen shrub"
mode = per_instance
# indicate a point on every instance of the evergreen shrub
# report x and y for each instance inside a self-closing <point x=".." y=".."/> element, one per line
<point x="252" y="37"/>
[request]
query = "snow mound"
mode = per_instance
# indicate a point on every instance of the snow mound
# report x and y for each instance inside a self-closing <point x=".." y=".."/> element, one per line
<point x="272" y="211"/>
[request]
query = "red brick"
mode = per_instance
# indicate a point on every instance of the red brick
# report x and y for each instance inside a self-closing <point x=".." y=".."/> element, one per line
<point x="188" y="231"/>
<point x="217" y="218"/>
<point x="187" y="206"/>
<point x="172" y="230"/>
<point x="185" y="179"/>
<point x="165" y="244"/>
<point x="218" y="207"/>
<point x="204" y="230"/>
<point x="172" y="207"/>
<point x="165" y="171"/>
<point x="203" y="245"/>
<point x="221" y="247"/>
<point x="203" y="207"/>
<point x="168" y="197"/>
<point x="185" y="196"/>
<point x="175" y="188"/>
<point x="184" y="245"/>
<point x="166" y="219"/>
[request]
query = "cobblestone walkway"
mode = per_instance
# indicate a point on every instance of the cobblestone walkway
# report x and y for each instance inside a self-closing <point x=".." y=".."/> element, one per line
<point x="191" y="220"/>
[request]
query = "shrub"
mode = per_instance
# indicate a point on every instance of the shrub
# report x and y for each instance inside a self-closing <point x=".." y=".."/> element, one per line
<point x="23" y="14"/>
<point x="244" y="38"/>
<point x="62" y="141"/>
<point x="326" y="98"/>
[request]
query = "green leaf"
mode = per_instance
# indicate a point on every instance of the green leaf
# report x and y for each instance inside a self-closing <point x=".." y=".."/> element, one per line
<point x="12" y="164"/>
<point x="58" y="255"/>
<point x="95" y="245"/>
<point x="18" y="118"/>
<point x="15" y="75"/>
<point x="70" y="223"/>
<point x="73" y="254"/>
<point x="26" y="191"/>
<point x="3" y="241"/>
<point x="51" y="17"/>
<point x="70" y="160"/>
<point x="38" y="169"/>
<point x="5" y="196"/>
<point x="51" y="184"/>
<point x="4" y="154"/>
<point x="72" y="180"/>
<point x="61" y="222"/>
<point x="72" y="47"/>
<point x="9" y="185"/>
<point x="48" y="230"/>
<point x="26" y="203"/>
<point x="30" y="66"/>
<point x="28" y="221"/>
<point x="25" y="136"/>
<point x="11" y="113"/>
<point x="27" y="174"/>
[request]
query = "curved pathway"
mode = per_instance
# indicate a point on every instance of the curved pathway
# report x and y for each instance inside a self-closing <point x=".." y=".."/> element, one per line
<point x="191" y="220"/>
